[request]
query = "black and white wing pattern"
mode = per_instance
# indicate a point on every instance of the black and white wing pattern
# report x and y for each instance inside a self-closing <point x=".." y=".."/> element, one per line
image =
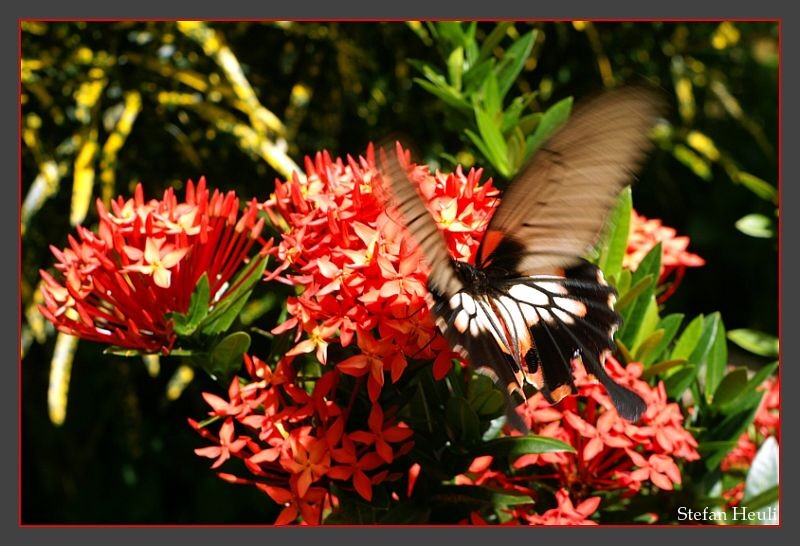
<point x="531" y="305"/>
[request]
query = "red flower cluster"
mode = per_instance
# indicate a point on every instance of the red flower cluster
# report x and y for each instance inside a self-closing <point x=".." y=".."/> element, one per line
<point x="612" y="454"/>
<point x="644" y="235"/>
<point x="297" y="443"/>
<point x="358" y="273"/>
<point x="120" y="284"/>
<point x="361" y="282"/>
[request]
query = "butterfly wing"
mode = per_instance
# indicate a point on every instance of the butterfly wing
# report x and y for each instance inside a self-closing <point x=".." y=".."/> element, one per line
<point x="556" y="207"/>
<point x="419" y="222"/>
<point x="567" y="316"/>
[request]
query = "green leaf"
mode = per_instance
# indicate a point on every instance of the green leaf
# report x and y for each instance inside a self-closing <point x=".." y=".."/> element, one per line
<point x="493" y="138"/>
<point x="711" y="325"/>
<point x="756" y="225"/>
<point x="648" y="345"/>
<point x="451" y="32"/>
<point x="513" y="62"/>
<point x="623" y="281"/>
<point x="225" y="312"/>
<point x="748" y="394"/>
<point x="492" y="102"/>
<point x="445" y="93"/>
<point x="730" y="388"/>
<point x="615" y="239"/>
<point x="754" y="341"/>
<point x="483" y="397"/>
<point x="677" y="383"/>
<point x="226" y="356"/>
<point x="462" y="422"/>
<point x="669" y="325"/>
<point x="479" y="143"/>
<point x="696" y="163"/>
<point x="688" y="339"/>
<point x="728" y="430"/>
<point x="634" y="316"/>
<point x="511" y="114"/>
<point x="474" y="77"/>
<point x="631" y="296"/>
<point x="716" y="359"/>
<point x="478" y="495"/>
<point x="552" y="120"/>
<point x="762" y="189"/>
<point x="455" y="67"/>
<point x="648" y="324"/>
<point x="493" y="40"/>
<point x="516" y="446"/>
<point x="185" y="325"/>
<point x="658" y="369"/>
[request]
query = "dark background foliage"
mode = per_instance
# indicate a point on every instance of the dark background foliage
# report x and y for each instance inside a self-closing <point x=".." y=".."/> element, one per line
<point x="124" y="453"/>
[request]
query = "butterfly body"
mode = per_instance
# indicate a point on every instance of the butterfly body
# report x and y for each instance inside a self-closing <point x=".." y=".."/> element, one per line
<point x="531" y="306"/>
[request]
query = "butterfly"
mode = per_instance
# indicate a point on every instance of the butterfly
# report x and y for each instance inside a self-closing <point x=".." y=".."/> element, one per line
<point x="531" y="305"/>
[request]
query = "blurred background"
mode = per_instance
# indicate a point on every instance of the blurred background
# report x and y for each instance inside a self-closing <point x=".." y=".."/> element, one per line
<point x="107" y="105"/>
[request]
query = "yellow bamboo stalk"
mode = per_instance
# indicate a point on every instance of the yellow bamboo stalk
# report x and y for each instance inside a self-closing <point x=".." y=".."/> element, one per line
<point x="115" y="141"/>
<point x="60" y="370"/>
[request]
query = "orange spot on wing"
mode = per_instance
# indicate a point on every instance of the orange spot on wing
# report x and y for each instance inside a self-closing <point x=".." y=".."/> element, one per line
<point x="559" y="393"/>
<point x="491" y="240"/>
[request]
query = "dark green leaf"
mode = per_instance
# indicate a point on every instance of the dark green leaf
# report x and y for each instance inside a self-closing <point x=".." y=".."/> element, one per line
<point x="226" y="357"/>
<point x="516" y="446"/>
<point x="463" y="424"/>
<point x="658" y="369"/>
<point x="748" y="394"/>
<point x="754" y="341"/>
<point x="730" y="387"/>
<point x="615" y="239"/>
<point x="648" y="345"/>
<point x="679" y="381"/>
<point x="479" y="495"/>
<point x="729" y="430"/>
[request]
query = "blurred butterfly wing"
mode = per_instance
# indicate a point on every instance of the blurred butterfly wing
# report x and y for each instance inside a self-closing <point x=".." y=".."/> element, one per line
<point x="555" y="209"/>
<point x="404" y="199"/>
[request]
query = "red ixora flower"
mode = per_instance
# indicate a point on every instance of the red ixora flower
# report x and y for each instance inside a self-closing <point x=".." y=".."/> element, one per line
<point x="117" y="285"/>
<point x="644" y="235"/>
<point x="358" y="274"/>
<point x="612" y="455"/>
